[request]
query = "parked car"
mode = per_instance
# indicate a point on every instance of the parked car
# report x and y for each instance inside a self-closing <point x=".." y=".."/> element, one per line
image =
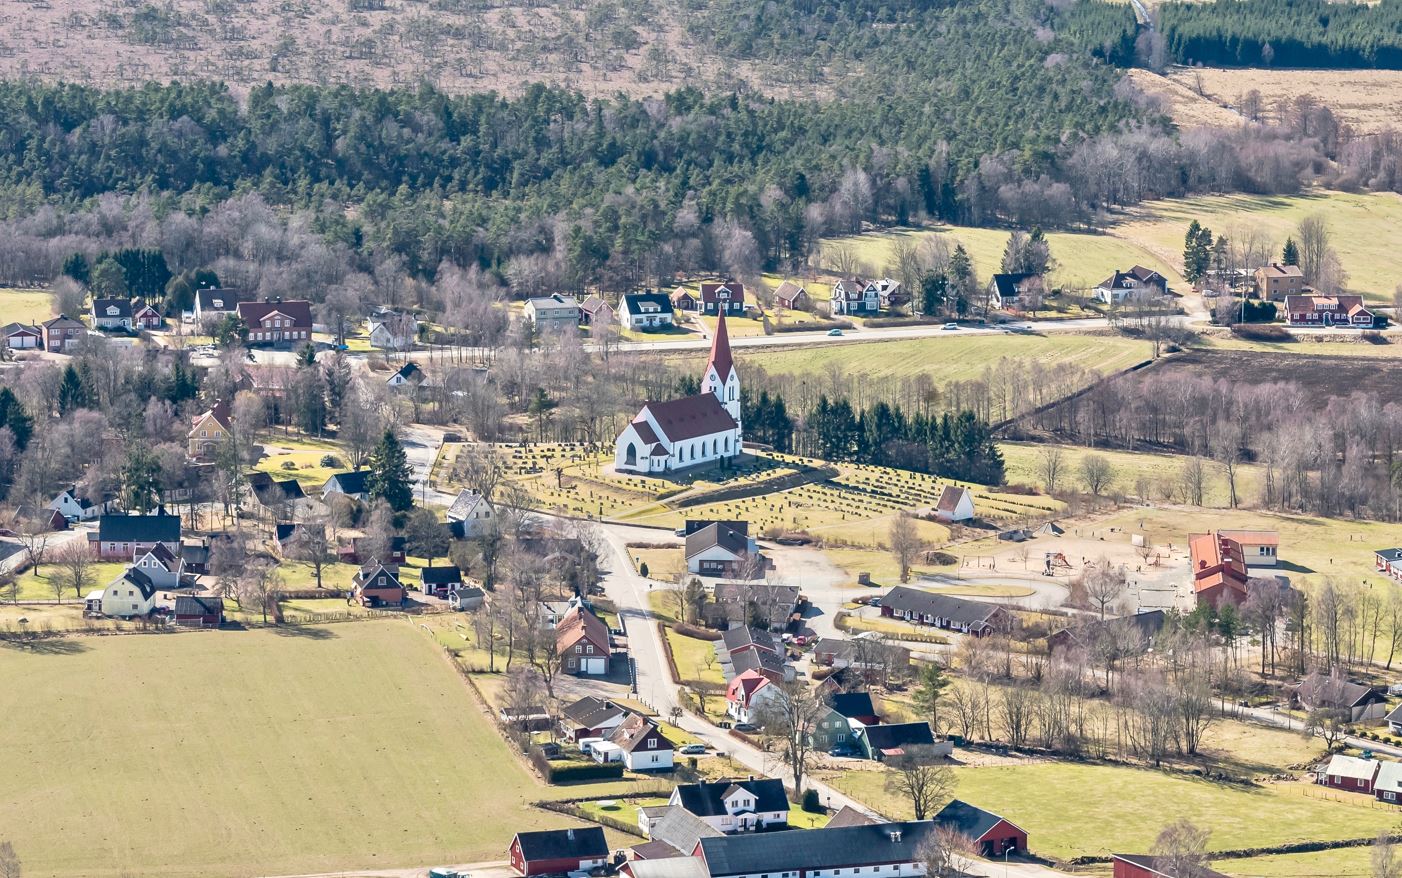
<point x="746" y="727"/>
<point x="842" y="751"/>
<point x="693" y="749"/>
<point x="875" y="602"/>
<point x="834" y="332"/>
<point x="950" y="326"/>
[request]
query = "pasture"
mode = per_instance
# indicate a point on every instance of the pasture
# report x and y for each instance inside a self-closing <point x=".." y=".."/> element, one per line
<point x="259" y="752"/>
<point x="25" y="306"/>
<point x="1084" y="259"/>
<point x="1367" y="100"/>
<point x="1366" y="227"/>
<point x="1122" y="809"/>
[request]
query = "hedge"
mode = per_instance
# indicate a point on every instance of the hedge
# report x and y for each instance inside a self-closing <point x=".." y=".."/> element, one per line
<point x="572" y="771"/>
<point x="696" y="633"/>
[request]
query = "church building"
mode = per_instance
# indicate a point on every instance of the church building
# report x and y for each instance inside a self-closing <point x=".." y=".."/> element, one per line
<point x="687" y="432"/>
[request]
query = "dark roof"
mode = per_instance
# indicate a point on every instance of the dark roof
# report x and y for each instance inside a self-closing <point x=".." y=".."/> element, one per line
<point x="270" y="492"/>
<point x="287" y="531"/>
<point x="960" y="610"/>
<point x="898" y="736"/>
<point x="736" y="597"/>
<point x="219" y="299"/>
<point x="757" y="660"/>
<point x="682" y="829"/>
<point x="253" y="312"/>
<point x="100" y="306"/>
<point x="967" y="819"/>
<point x="816" y="849"/>
<point x="372" y="569"/>
<point x="692" y="525"/>
<point x="587" y="843"/>
<point x="409" y="370"/>
<point x="634" y="732"/>
<point x="191" y="605"/>
<point x="949" y="499"/>
<point x="1321" y="690"/>
<point x="1160" y="866"/>
<point x="710" y="293"/>
<point x="195" y="553"/>
<point x="788" y="291"/>
<point x="634" y="301"/>
<point x="349" y="483"/>
<point x="138" y="528"/>
<point x="10" y="329"/>
<point x="441" y="575"/>
<point x="142" y="582"/>
<point x="1389" y="554"/>
<point x="708" y="799"/>
<point x="1148" y="625"/>
<point x="590" y="712"/>
<point x="739" y="638"/>
<point x="62" y="321"/>
<point x="691" y="416"/>
<point x="718" y="534"/>
<point x="657" y="850"/>
<point x="853" y="704"/>
<point x="1006" y="284"/>
<point x="849" y="816"/>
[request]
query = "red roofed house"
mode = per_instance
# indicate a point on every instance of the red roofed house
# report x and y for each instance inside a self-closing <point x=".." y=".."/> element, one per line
<point x="1317" y="310"/>
<point x="747" y="693"/>
<point x="955" y="504"/>
<point x="1219" y="569"/>
<point x="208" y="430"/>
<point x="143" y="316"/>
<point x="726" y="298"/>
<point x="687" y="432"/>
<point x="1148" y="866"/>
<point x="275" y="322"/>
<point x="582" y="643"/>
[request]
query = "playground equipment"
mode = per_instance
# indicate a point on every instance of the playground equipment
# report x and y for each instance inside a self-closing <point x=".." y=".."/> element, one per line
<point x="1054" y="561"/>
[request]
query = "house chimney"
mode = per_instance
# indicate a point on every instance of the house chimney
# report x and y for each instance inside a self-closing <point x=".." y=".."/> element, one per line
<point x="752" y="777"/>
<point x="895" y="836"/>
<point x="569" y="833"/>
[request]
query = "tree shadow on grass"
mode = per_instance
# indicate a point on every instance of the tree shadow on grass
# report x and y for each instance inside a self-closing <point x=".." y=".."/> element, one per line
<point x="305" y="632"/>
<point x="46" y="646"/>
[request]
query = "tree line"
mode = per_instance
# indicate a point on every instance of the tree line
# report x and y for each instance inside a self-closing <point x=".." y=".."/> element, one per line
<point x="1289" y="33"/>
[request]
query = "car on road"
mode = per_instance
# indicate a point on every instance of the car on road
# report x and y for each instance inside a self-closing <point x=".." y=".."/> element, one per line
<point x="950" y="326"/>
<point x="693" y="749"/>
<point x="835" y="332"/>
<point x="746" y="727"/>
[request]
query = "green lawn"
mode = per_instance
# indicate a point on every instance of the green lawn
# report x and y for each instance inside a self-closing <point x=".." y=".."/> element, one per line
<point x="1083" y="259"/>
<point x="40" y="587"/>
<point x="306" y="467"/>
<point x="1340" y="863"/>
<point x="691" y="654"/>
<point x="1024" y="464"/>
<point x="947" y="359"/>
<point x="1366" y="228"/>
<point x="1121" y="809"/>
<point x="26" y="306"/>
<point x="260" y="752"/>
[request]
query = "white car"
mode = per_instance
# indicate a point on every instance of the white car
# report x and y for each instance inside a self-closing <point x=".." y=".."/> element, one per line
<point x="950" y="326"/>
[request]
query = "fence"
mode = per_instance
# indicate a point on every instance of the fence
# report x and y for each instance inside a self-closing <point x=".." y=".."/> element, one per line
<point x="667" y="651"/>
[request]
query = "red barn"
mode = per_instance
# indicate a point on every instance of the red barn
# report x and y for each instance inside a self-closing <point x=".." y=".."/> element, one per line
<point x="558" y="851"/>
<point x="1145" y="866"/>
<point x="994" y="835"/>
<point x="199" y="612"/>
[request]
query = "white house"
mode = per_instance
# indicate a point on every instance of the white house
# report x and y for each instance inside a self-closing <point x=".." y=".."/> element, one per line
<point x="854" y="296"/>
<point x="642" y="746"/>
<point x="955" y="504"/>
<point x="131" y="594"/>
<point x="73" y="507"/>
<point x="747" y="694"/>
<point x="720" y="548"/>
<point x="162" y="566"/>
<point x="409" y="373"/>
<point x="471" y="515"/>
<point x="1138" y="281"/>
<point x="687" y="432"/>
<point x="646" y="311"/>
<point x="735" y="806"/>
<point x="111" y="314"/>
<point x="392" y="330"/>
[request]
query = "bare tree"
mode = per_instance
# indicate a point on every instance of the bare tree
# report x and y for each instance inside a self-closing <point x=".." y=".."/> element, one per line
<point x="1051" y="460"/>
<point x="1097" y="473"/>
<point x="314" y="547"/>
<point x="793" y="717"/>
<point x="76" y="562"/>
<point x="1104" y="583"/>
<point x="9" y="861"/>
<point x="1196" y="709"/>
<point x="920" y="776"/>
<point x="1181" y="849"/>
<point x="1384" y="860"/>
<point x="1194" y="479"/>
<point x="905" y="542"/>
<point x="1326" y="723"/>
<point x="1016" y="713"/>
<point x="34" y="535"/>
<point x="944" y="850"/>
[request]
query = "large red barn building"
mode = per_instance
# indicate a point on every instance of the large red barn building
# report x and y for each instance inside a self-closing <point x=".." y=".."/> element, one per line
<point x="558" y="851"/>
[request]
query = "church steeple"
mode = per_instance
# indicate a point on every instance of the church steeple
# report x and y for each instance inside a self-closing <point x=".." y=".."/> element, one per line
<point x="720" y="376"/>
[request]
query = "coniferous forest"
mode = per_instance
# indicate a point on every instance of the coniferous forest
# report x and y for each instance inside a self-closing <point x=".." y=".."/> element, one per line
<point x="1284" y="33"/>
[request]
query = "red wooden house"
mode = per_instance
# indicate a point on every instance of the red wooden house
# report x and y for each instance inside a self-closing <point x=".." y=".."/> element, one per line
<point x="195" y="611"/>
<point x="1349" y="774"/>
<point x="994" y="835"/>
<point x="558" y="851"/>
<point x="1145" y="866"/>
<point x="376" y="585"/>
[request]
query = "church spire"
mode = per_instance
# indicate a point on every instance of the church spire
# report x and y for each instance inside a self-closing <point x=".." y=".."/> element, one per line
<point x="720" y="351"/>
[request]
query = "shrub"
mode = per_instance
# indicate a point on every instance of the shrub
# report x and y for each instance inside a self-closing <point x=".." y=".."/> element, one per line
<point x="330" y="460"/>
<point x="1262" y="333"/>
<point x="698" y="633"/>
<point x="812" y="802"/>
<point x="287" y="464"/>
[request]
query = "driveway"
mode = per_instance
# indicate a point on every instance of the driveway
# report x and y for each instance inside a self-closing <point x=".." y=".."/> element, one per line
<point x="421" y="444"/>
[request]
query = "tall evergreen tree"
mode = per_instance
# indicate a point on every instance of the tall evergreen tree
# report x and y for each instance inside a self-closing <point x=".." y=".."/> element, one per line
<point x="141" y="480"/>
<point x="13" y="416"/>
<point x="1290" y="254"/>
<point x="390" y="479"/>
<point x="71" y="392"/>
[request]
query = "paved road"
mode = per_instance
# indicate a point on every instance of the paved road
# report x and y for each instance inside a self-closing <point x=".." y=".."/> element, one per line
<point x="489" y="869"/>
<point x="421" y="444"/>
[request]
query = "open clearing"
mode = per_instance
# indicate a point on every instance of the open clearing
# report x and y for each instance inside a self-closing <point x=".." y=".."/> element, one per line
<point x="1368" y="100"/>
<point x="1367" y="228"/>
<point x="25" y="306"/>
<point x="260" y="752"/>
<point x="1186" y="107"/>
<point x="946" y="359"/>
<point x="1084" y="259"/>
<point x="1034" y="796"/>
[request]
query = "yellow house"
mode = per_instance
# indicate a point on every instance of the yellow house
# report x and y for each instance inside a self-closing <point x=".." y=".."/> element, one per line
<point x="209" y="430"/>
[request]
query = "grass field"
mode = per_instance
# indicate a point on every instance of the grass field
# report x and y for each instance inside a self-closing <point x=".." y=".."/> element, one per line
<point x="26" y="306"/>
<point x="691" y="654"/>
<point x="1368" y="100"/>
<point x="1084" y="259"/>
<point x="1367" y="228"/>
<point x="1353" y="862"/>
<point x="1024" y="463"/>
<point x="946" y="359"/>
<point x="1122" y="809"/>
<point x="40" y="587"/>
<point x="239" y="753"/>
